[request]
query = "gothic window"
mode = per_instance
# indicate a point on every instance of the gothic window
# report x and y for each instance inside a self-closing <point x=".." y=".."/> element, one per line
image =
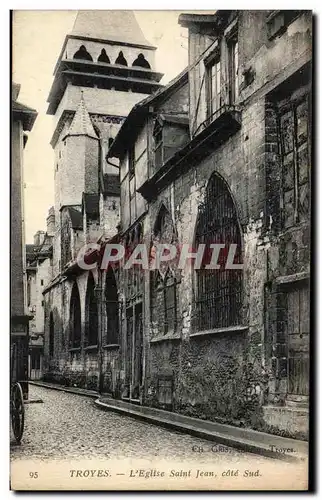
<point x="141" y="62"/>
<point x="66" y="250"/>
<point x="51" y="335"/>
<point x="213" y="85"/>
<point x="218" y="292"/>
<point x="82" y="54"/>
<point x="134" y="275"/>
<point x="121" y="59"/>
<point x="295" y="156"/>
<point x="158" y="144"/>
<point x="91" y="313"/>
<point x="103" y="57"/>
<point x="75" y="318"/>
<point x="163" y="280"/>
<point x="112" y="308"/>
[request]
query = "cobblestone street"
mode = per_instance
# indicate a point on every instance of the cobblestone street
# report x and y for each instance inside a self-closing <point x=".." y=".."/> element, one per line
<point x="68" y="426"/>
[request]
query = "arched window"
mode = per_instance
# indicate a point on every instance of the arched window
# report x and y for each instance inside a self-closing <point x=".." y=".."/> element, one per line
<point x="83" y="54"/>
<point x="91" y="313"/>
<point x="164" y="280"/>
<point x="103" y="57"/>
<point x="75" y="318"/>
<point x="112" y="308"/>
<point x="218" y="291"/>
<point x="121" y="59"/>
<point x="141" y="62"/>
<point x="51" y="335"/>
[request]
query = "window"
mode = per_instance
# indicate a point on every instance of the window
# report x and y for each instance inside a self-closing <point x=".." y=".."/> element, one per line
<point x="131" y="160"/>
<point x="103" y="57"/>
<point x="170" y="303"/>
<point x="75" y="318"/>
<point x="83" y="54"/>
<point x="213" y="85"/>
<point x="35" y="360"/>
<point x="278" y="20"/>
<point x="158" y="144"/>
<point x="91" y="313"/>
<point x="141" y="62"/>
<point x="121" y="59"/>
<point x="295" y="156"/>
<point x="164" y="281"/>
<point x="233" y="69"/>
<point x="218" y="291"/>
<point x="112" y="308"/>
<point x="42" y="282"/>
<point x="164" y="301"/>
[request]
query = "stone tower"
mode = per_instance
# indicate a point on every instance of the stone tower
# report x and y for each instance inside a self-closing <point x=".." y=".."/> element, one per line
<point x="105" y="67"/>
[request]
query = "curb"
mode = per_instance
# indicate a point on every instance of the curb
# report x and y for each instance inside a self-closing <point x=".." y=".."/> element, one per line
<point x="238" y="443"/>
<point x="79" y="392"/>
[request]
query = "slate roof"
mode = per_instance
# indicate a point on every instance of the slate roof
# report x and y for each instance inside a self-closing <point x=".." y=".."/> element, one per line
<point x="24" y="113"/>
<point x="114" y="25"/>
<point x="130" y="125"/>
<point x="81" y="124"/>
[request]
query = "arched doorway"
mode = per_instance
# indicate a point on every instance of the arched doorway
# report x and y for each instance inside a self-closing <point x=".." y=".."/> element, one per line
<point x="112" y="308"/>
<point x="91" y="314"/>
<point x="75" y="318"/>
<point x="218" y="292"/>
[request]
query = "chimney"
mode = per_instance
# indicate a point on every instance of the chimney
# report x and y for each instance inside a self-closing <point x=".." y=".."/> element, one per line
<point x="39" y="238"/>
<point x="51" y="222"/>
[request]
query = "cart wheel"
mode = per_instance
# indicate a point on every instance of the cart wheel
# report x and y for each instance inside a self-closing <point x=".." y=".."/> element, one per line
<point x="17" y="411"/>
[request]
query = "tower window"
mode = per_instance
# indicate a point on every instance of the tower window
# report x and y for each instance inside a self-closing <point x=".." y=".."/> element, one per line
<point x="103" y="57"/>
<point x="141" y="61"/>
<point x="83" y="54"/>
<point x="121" y="59"/>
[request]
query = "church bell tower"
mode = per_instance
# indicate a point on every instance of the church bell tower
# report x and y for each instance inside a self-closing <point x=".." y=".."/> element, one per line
<point x="105" y="67"/>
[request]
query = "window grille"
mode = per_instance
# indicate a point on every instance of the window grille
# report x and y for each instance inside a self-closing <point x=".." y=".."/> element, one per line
<point x="218" y="291"/>
<point x="164" y="283"/>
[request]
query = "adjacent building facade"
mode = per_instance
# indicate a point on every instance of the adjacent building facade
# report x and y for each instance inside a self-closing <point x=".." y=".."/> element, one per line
<point x="220" y="155"/>
<point x="23" y="119"/>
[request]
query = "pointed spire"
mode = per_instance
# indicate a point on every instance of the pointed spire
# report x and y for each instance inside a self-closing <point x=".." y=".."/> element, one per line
<point x="81" y="124"/>
<point x="116" y="25"/>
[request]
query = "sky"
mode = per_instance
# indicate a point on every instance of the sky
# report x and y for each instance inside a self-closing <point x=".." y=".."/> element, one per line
<point x="37" y="38"/>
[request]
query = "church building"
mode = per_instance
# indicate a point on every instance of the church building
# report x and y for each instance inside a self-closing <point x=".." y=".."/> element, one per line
<point x="105" y="67"/>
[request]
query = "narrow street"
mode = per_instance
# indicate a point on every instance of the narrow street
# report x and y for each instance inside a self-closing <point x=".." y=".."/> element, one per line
<point x="68" y="426"/>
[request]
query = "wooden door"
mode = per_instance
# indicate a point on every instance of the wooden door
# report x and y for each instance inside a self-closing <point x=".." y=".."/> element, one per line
<point x="298" y="314"/>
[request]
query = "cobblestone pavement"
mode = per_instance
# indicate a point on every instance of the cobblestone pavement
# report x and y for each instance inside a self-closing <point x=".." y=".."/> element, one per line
<point x="68" y="426"/>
